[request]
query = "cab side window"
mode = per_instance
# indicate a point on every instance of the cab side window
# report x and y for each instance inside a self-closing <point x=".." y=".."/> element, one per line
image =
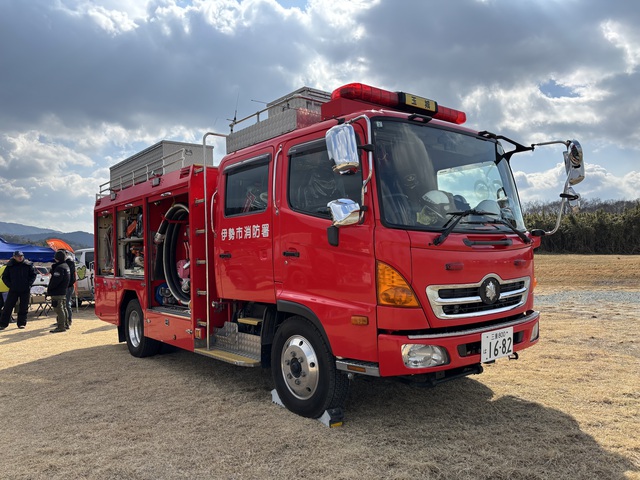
<point x="247" y="188"/>
<point x="313" y="183"/>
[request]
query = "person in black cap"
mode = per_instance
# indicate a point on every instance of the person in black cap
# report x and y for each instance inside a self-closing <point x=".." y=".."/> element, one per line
<point x="57" y="289"/>
<point x="71" y="288"/>
<point x="18" y="275"/>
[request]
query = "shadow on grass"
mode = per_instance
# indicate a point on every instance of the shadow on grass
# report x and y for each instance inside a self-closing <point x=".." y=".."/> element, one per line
<point x="178" y="412"/>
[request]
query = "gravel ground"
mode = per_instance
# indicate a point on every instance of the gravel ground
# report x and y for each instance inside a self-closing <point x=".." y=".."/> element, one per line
<point x="586" y="297"/>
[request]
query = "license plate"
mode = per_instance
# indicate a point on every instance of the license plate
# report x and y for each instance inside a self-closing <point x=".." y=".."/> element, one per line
<point x="496" y="344"/>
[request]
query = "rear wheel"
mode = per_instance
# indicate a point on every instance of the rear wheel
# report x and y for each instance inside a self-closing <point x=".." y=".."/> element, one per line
<point x="304" y="370"/>
<point x="139" y="345"/>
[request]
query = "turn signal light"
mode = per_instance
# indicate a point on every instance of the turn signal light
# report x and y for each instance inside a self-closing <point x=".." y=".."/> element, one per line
<point x="393" y="289"/>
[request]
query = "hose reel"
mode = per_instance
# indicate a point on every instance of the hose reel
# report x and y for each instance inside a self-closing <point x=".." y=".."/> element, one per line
<point x="168" y="236"/>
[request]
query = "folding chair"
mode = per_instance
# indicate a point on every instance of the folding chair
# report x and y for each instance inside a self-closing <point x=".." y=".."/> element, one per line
<point x="40" y="299"/>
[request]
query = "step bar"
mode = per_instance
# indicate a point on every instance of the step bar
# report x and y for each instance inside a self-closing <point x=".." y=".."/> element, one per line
<point x="239" y="359"/>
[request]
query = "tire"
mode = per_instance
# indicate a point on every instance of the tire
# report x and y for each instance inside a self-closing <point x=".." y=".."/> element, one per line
<point x="304" y="370"/>
<point x="139" y="345"/>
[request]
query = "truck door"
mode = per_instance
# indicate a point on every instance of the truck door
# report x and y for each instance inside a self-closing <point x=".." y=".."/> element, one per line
<point x="106" y="283"/>
<point x="335" y="282"/>
<point x="243" y="246"/>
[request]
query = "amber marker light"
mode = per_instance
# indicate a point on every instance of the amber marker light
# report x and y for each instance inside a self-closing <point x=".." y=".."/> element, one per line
<point x="359" y="320"/>
<point x="393" y="289"/>
<point x="355" y="368"/>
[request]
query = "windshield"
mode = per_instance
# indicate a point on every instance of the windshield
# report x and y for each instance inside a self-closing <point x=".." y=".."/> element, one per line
<point x="426" y="174"/>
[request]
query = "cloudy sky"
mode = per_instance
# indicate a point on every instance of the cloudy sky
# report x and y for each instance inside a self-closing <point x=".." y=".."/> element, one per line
<point x="85" y="84"/>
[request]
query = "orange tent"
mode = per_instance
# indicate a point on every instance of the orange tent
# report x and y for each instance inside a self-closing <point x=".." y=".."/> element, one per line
<point x="57" y="244"/>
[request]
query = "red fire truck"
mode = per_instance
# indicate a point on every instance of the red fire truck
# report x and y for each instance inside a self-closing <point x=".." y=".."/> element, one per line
<point x="362" y="232"/>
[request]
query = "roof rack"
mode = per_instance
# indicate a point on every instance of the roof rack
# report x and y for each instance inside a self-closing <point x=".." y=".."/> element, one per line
<point x="157" y="160"/>
<point x="297" y="109"/>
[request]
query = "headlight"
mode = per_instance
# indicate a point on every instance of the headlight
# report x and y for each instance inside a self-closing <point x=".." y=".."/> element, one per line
<point x="535" y="332"/>
<point x="421" y="356"/>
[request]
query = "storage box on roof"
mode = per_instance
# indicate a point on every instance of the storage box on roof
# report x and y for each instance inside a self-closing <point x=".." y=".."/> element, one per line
<point x="297" y="109"/>
<point x="163" y="157"/>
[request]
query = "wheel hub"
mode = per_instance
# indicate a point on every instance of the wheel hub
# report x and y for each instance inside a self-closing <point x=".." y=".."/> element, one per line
<point x="135" y="328"/>
<point x="299" y="366"/>
<point x="296" y="368"/>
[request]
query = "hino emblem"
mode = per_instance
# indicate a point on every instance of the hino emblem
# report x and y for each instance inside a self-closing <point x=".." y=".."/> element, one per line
<point x="489" y="291"/>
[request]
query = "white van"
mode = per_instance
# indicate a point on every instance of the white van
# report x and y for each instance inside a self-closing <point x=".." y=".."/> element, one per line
<point x="84" y="274"/>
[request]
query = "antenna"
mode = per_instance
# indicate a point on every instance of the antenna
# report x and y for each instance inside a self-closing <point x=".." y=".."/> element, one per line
<point x="235" y="113"/>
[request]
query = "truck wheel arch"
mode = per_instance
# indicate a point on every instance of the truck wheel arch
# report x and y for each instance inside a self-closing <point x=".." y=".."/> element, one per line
<point x="293" y="308"/>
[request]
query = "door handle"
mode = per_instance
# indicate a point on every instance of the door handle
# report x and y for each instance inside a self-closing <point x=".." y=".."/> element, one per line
<point x="225" y="255"/>
<point x="291" y="253"/>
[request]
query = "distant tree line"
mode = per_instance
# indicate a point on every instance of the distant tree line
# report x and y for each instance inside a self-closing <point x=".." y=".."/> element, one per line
<point x="21" y="240"/>
<point x="610" y="227"/>
<point x="38" y="243"/>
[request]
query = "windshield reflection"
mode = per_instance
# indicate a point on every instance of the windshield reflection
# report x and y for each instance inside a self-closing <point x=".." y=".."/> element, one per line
<point x="426" y="174"/>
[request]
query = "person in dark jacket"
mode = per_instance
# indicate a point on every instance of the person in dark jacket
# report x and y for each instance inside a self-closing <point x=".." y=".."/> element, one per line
<point x="71" y="288"/>
<point x="57" y="290"/>
<point x="18" y="275"/>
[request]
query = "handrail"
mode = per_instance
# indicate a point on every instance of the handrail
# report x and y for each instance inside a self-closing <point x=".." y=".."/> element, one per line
<point x="366" y="181"/>
<point x="142" y="173"/>
<point x="206" y="231"/>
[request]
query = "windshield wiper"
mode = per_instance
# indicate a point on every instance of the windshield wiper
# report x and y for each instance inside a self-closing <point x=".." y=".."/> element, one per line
<point x="457" y="216"/>
<point x="522" y="236"/>
<point x="454" y="220"/>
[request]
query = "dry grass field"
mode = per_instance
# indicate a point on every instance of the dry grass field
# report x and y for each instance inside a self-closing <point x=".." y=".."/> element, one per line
<point x="77" y="405"/>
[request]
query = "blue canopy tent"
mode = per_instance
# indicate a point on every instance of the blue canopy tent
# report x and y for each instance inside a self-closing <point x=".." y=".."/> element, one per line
<point x="31" y="252"/>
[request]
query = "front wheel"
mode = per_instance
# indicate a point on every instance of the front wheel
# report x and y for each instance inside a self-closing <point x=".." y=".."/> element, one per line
<point x="139" y="345"/>
<point x="304" y="370"/>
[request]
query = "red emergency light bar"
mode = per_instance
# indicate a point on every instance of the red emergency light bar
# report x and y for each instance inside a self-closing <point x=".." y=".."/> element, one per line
<point x="400" y="101"/>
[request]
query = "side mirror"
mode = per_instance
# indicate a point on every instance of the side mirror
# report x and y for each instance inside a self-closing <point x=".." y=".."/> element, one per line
<point x="342" y="148"/>
<point x="344" y="211"/>
<point x="572" y="198"/>
<point x="574" y="166"/>
<point x="573" y="163"/>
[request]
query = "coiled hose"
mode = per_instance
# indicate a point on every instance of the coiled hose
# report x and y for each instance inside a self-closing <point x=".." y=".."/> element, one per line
<point x="168" y="235"/>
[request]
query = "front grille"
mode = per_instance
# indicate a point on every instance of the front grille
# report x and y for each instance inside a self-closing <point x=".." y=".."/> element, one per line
<point x="471" y="308"/>
<point x="461" y="301"/>
<point x="447" y="293"/>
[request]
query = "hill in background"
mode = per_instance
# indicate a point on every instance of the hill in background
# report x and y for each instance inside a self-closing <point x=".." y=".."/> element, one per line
<point x="17" y="233"/>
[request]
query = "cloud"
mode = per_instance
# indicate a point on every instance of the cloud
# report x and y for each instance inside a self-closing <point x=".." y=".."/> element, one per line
<point x="86" y="84"/>
<point x="598" y="183"/>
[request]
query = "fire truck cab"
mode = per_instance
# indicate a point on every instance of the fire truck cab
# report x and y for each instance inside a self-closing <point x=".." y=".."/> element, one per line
<point x="359" y="233"/>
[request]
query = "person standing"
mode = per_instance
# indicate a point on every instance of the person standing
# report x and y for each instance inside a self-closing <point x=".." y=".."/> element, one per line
<point x="3" y="289"/>
<point x="71" y="288"/>
<point x="57" y="290"/>
<point x="19" y="274"/>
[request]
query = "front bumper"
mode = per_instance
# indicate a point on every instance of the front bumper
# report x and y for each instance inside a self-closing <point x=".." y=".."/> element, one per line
<point x="462" y="346"/>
